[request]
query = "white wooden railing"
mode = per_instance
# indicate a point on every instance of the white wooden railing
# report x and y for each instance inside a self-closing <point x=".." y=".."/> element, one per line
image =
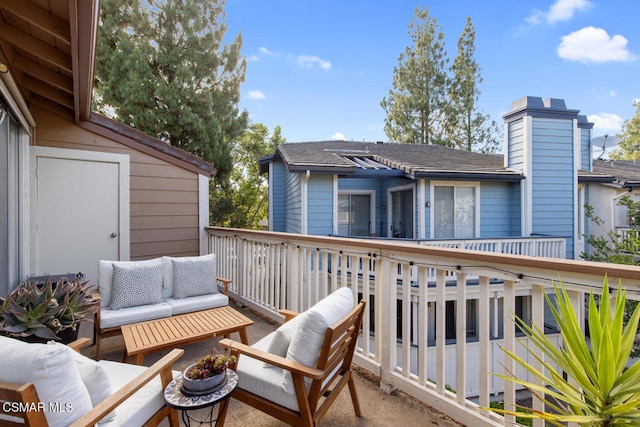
<point x="549" y="247"/>
<point x="271" y="271"/>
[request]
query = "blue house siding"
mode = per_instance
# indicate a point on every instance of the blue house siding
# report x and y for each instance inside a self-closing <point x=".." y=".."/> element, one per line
<point x="516" y="139"/>
<point x="515" y="209"/>
<point x="293" y="203"/>
<point x="320" y="205"/>
<point x="585" y="151"/>
<point x="278" y="177"/>
<point x="552" y="175"/>
<point x="495" y="212"/>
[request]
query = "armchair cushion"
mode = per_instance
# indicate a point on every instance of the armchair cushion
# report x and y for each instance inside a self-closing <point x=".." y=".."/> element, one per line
<point x="309" y="335"/>
<point x="53" y="372"/>
<point x="281" y="337"/>
<point x="93" y="376"/>
<point x="136" y="284"/>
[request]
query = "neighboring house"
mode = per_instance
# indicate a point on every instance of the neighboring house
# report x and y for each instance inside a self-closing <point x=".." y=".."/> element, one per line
<point x="81" y="187"/>
<point x="427" y="192"/>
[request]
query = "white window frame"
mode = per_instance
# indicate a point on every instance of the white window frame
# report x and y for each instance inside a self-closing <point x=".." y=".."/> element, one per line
<point x="372" y="207"/>
<point x="474" y="184"/>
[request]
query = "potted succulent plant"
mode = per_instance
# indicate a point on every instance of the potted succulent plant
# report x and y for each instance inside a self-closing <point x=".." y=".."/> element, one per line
<point x="51" y="311"/>
<point x="207" y="373"/>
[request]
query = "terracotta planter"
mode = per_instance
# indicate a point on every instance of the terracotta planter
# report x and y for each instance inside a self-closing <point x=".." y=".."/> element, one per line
<point x="198" y="386"/>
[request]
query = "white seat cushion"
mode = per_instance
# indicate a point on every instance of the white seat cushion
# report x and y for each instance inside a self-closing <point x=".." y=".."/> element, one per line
<point x="52" y="370"/>
<point x="137" y="409"/>
<point x="197" y="303"/>
<point x="265" y="382"/>
<point x="125" y="316"/>
<point x="309" y="335"/>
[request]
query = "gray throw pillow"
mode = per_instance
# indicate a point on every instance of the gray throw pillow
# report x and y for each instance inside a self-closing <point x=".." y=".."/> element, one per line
<point x="136" y="284"/>
<point x="193" y="276"/>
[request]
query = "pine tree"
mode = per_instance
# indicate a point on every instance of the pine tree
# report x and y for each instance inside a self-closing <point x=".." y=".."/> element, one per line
<point x="162" y="68"/>
<point x="467" y="128"/>
<point x="629" y="147"/>
<point x="416" y="105"/>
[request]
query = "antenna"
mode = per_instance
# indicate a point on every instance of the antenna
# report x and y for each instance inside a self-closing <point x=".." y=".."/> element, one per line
<point x="605" y="142"/>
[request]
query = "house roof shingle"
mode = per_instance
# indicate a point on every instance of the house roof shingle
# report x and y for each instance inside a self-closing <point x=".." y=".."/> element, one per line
<point x="625" y="172"/>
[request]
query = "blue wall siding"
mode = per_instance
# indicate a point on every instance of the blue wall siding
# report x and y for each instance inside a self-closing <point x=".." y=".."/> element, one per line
<point x="585" y="154"/>
<point x="516" y="138"/>
<point x="495" y="210"/>
<point x="553" y="183"/>
<point x="516" y="208"/>
<point x="293" y="203"/>
<point x="278" y="176"/>
<point x="320" y="205"/>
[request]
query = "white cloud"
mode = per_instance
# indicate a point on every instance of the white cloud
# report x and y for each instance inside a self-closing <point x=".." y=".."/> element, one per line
<point x="561" y="10"/>
<point x="310" y="61"/>
<point x="266" y="51"/>
<point x="252" y="58"/>
<point x="592" y="44"/>
<point x="605" y="123"/>
<point x="338" y="136"/>
<point x="256" y="94"/>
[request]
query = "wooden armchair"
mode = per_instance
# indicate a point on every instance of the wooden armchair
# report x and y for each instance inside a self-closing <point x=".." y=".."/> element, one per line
<point x="316" y="387"/>
<point x="68" y="394"/>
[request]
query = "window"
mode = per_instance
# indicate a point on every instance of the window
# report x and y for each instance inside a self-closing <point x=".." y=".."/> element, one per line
<point x="354" y="214"/>
<point x="454" y="211"/>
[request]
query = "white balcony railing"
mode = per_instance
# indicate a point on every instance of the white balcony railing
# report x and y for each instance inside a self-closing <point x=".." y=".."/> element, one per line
<point x="549" y="247"/>
<point x="415" y="291"/>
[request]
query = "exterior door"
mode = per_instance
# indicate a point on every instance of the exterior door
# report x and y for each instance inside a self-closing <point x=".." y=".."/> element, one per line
<point x="79" y="211"/>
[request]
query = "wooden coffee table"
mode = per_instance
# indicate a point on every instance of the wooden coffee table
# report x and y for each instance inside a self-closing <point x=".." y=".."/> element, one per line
<point x="169" y="332"/>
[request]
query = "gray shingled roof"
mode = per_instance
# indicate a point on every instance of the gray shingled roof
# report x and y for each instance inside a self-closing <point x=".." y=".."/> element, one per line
<point x="626" y="172"/>
<point x="416" y="160"/>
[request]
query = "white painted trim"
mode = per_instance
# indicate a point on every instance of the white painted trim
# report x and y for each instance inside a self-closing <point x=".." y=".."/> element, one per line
<point x="475" y="184"/>
<point x="527" y="182"/>
<point x="372" y="207"/>
<point x="577" y="140"/>
<point x="203" y="212"/>
<point x="335" y="205"/>
<point x="422" y="215"/>
<point x="405" y="187"/>
<point x="304" y="194"/>
<point x="123" y="161"/>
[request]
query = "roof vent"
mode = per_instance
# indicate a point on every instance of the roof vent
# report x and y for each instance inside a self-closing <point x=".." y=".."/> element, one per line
<point x="379" y="142"/>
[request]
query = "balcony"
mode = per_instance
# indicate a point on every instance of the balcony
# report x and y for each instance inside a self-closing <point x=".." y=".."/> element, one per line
<point x="450" y="354"/>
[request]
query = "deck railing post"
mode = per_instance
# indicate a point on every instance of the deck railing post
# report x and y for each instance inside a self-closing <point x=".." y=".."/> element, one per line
<point x="386" y="322"/>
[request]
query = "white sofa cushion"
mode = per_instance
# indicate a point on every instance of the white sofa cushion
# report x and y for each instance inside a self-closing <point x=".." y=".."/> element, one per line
<point x="193" y="276"/>
<point x="53" y="372"/>
<point x="204" y="262"/>
<point x="125" y="316"/>
<point x="264" y="382"/>
<point x="105" y="277"/>
<point x="279" y="344"/>
<point x="136" y="284"/>
<point x="309" y="335"/>
<point x="197" y="303"/>
<point x="94" y="377"/>
<point x="137" y="409"/>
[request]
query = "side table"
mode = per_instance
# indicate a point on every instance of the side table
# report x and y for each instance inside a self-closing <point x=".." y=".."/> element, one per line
<point x="176" y="398"/>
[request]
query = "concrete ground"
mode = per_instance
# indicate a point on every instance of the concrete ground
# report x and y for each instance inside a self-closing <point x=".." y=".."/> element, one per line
<point x="378" y="408"/>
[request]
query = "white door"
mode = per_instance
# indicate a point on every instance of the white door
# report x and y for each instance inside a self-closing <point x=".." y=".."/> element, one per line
<point x="82" y="215"/>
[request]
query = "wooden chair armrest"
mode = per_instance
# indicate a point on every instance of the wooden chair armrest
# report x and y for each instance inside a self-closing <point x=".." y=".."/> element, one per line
<point x="161" y="367"/>
<point x="79" y="343"/>
<point x="288" y="314"/>
<point x="95" y="295"/>
<point x="226" y="282"/>
<point x="275" y="360"/>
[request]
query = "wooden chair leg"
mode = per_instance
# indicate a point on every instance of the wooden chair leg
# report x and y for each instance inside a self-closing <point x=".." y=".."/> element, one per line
<point x="354" y="396"/>
<point x="174" y="421"/>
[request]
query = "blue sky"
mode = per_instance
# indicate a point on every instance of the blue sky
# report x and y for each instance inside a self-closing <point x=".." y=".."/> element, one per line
<point x="319" y="69"/>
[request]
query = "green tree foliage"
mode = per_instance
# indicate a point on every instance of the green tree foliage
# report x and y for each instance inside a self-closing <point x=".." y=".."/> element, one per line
<point x="432" y="102"/>
<point x="162" y="68"/>
<point x="466" y="127"/>
<point x="415" y="106"/>
<point x="599" y="389"/>
<point x="629" y="147"/>
<point x="244" y="200"/>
